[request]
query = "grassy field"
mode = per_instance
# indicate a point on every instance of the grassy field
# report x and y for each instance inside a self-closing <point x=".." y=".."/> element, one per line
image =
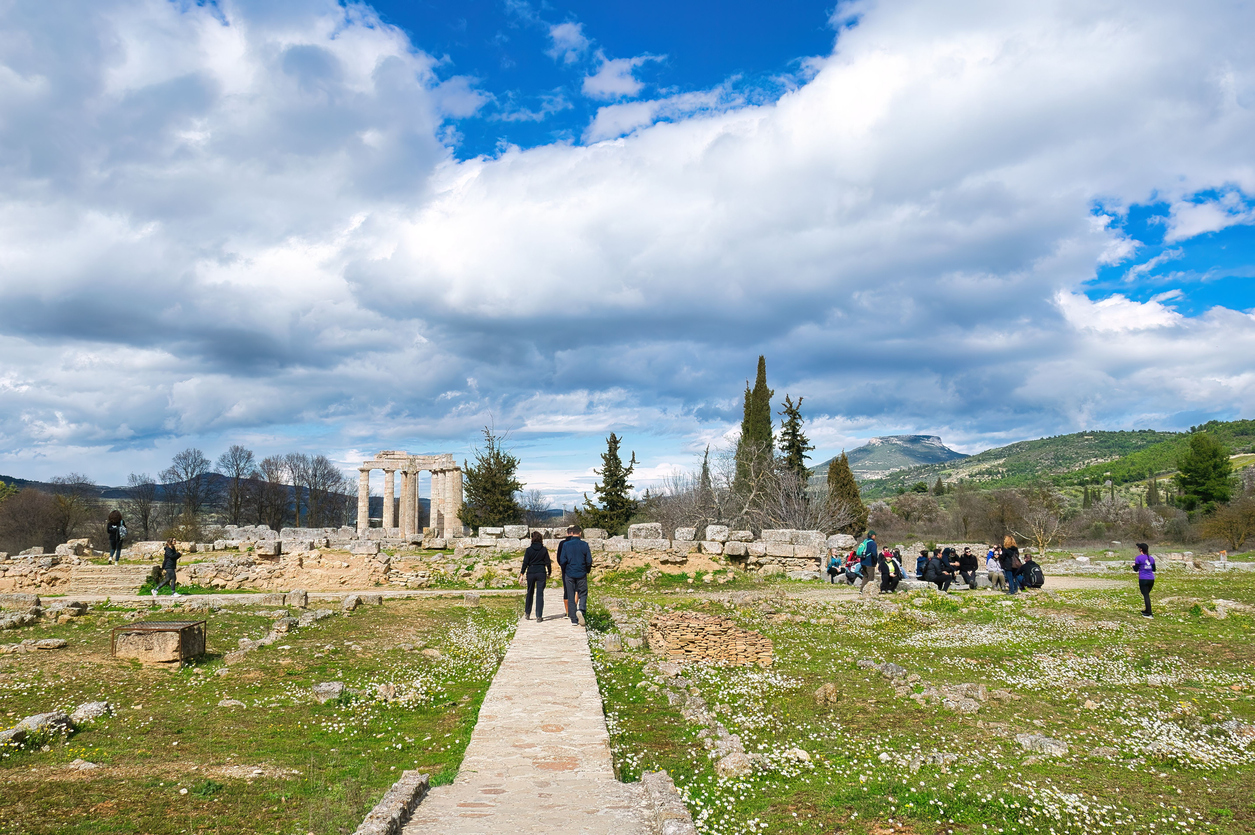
<point x="1157" y="715"/>
<point x="173" y="760"/>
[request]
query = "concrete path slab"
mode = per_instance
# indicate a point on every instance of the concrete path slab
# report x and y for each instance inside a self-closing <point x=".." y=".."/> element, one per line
<point x="539" y="757"/>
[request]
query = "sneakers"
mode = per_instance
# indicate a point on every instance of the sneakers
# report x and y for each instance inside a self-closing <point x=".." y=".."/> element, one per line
<point x="1147" y="615"/>
<point x="175" y="594"/>
<point x="154" y="592"/>
<point x="580" y="616"/>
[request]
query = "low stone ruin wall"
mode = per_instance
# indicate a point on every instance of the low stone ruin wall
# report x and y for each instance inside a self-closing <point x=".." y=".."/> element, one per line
<point x="691" y="636"/>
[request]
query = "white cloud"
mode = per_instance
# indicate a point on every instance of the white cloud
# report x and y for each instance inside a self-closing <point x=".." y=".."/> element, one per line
<point x="614" y="78"/>
<point x="1189" y="219"/>
<point x="213" y="231"/>
<point x="568" y="42"/>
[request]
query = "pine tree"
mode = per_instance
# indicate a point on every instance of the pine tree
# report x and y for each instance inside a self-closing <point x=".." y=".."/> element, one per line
<point x="756" y="439"/>
<point x="1087" y="501"/>
<point x="613" y="492"/>
<point x="793" y="443"/>
<point x="1152" y="493"/>
<point x="491" y="486"/>
<point x="939" y="489"/>
<point x="843" y="490"/>
<point x="1203" y="472"/>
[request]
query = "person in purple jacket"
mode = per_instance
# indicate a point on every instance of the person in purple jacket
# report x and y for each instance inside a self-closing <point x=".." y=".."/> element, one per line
<point x="1145" y="565"/>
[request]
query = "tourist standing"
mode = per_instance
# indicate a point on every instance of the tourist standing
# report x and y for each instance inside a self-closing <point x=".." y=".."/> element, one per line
<point x="867" y="555"/>
<point x="536" y="570"/>
<point x="1145" y="565"/>
<point x="576" y="560"/>
<point x="116" y="529"/>
<point x="169" y="564"/>
<point x="1009" y="561"/>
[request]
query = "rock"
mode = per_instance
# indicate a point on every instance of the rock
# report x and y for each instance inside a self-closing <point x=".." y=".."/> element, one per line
<point x="366" y="548"/>
<point x="470" y="598"/>
<point x="1090" y="704"/>
<point x="268" y="548"/>
<point x="386" y="692"/>
<point x="285" y="625"/>
<point x="961" y="704"/>
<point x="432" y="653"/>
<point x="159" y="647"/>
<point x="773" y="569"/>
<point x="231" y="703"/>
<point x="741" y="536"/>
<point x="645" y="530"/>
<point x="88" y="711"/>
<point x="55" y="722"/>
<point x="840" y="541"/>
<point x="273" y="600"/>
<point x="865" y="663"/>
<point x="350" y="602"/>
<point x="372" y="599"/>
<point x="735" y="764"/>
<point x="685" y="534"/>
<point x="297" y="599"/>
<point x="717" y="533"/>
<point x="1105" y="753"/>
<point x="47" y="643"/>
<point x="712" y="547"/>
<point x="328" y="691"/>
<point x="892" y="671"/>
<point x="734" y="549"/>
<point x="828" y="694"/>
<point x="82" y="765"/>
<point x="1042" y="744"/>
<point x="18" y="601"/>
<point x="613" y="643"/>
<point x="798" y="754"/>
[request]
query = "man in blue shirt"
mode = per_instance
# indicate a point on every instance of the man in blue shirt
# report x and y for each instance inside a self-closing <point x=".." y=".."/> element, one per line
<point x="867" y="554"/>
<point x="576" y="560"/>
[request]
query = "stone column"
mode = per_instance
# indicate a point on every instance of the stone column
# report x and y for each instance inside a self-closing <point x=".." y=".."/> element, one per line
<point x="454" y="499"/>
<point x="437" y="501"/>
<point x="389" y="499"/>
<point x="411" y="489"/>
<point x="416" y="505"/>
<point x="363" y="500"/>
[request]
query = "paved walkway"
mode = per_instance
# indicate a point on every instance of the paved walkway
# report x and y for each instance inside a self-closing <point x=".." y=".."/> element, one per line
<point x="539" y="758"/>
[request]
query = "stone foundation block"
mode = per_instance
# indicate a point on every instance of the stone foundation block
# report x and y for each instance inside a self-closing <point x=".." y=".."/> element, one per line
<point x="840" y="541"/>
<point x="160" y="647"/>
<point x="741" y="536"/>
<point x="717" y="533"/>
<point x="712" y="547"/>
<point x="756" y="549"/>
<point x="515" y="532"/>
<point x="735" y="549"/>
<point x="594" y="533"/>
<point x="685" y="534"/>
<point x="776" y="548"/>
<point x="785" y="536"/>
<point x="645" y="530"/>
<point x="617" y="545"/>
<point x="298" y="598"/>
<point x="651" y="544"/>
<point x="367" y="548"/>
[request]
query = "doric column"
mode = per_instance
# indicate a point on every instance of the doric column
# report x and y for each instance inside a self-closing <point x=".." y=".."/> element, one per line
<point x="411" y="485"/>
<point x="363" y="499"/>
<point x="454" y="499"/>
<point x="437" y="500"/>
<point x="403" y="521"/>
<point x="416" y="505"/>
<point x="389" y="498"/>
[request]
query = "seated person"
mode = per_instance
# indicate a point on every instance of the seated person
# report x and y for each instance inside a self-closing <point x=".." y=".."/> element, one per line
<point x="936" y="571"/>
<point x="890" y="572"/>
<point x="1031" y="575"/>
<point x="834" y="565"/>
<point x="996" y="578"/>
<point x="967" y="567"/>
<point x="920" y="563"/>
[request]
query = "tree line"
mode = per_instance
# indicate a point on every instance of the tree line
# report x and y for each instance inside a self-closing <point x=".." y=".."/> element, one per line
<point x="185" y="499"/>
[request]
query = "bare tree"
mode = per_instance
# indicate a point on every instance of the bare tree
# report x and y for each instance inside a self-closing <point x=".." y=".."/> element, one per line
<point x="1233" y="522"/>
<point x="535" y="507"/>
<point x="323" y="483"/>
<point x="141" y="502"/>
<point x="917" y="509"/>
<point x="1041" y="517"/>
<point x="298" y="465"/>
<point x="75" y="501"/>
<point x="188" y="484"/>
<point x="269" y="492"/>
<point x="237" y="464"/>
<point x="28" y="519"/>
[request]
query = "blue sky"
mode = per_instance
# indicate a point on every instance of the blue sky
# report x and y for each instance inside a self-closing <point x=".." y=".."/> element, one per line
<point x="305" y="225"/>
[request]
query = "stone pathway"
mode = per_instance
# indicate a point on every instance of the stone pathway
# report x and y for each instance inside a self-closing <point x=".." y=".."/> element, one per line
<point x="539" y="758"/>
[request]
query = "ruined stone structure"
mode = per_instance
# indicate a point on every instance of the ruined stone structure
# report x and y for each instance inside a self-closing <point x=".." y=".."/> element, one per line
<point x="405" y="515"/>
<point x="692" y="636"/>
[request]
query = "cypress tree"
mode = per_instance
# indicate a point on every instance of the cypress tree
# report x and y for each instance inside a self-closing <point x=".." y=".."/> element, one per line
<point x="939" y="489"/>
<point x="756" y="437"/>
<point x="1152" y="493"/>
<point x="491" y="487"/>
<point x="613" y="492"/>
<point x="1086" y="500"/>
<point x="843" y="490"/>
<point x="793" y="443"/>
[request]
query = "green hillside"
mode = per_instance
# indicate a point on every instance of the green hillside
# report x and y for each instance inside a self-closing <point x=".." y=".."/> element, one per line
<point x="1161" y="458"/>
<point x="1059" y="457"/>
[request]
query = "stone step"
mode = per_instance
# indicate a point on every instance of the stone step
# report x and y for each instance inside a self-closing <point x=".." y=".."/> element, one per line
<point x="107" y="579"/>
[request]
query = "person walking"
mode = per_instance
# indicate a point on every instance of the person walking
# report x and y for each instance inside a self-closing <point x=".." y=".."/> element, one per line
<point x="169" y="564"/>
<point x="536" y="570"/>
<point x="566" y="607"/>
<point x="867" y="556"/>
<point x="576" y="560"/>
<point x="116" y="528"/>
<point x="1009" y="561"/>
<point x="1145" y="565"/>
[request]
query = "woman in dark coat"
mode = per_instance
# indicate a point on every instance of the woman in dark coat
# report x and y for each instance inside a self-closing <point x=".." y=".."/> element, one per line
<point x="1010" y="562"/>
<point x="536" y="569"/>
<point x="115" y="527"/>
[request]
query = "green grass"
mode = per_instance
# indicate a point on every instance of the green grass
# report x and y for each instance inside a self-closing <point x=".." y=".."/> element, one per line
<point x="322" y="767"/>
<point x="1159" y="692"/>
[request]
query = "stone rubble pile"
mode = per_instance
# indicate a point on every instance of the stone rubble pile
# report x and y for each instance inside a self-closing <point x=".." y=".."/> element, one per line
<point x="691" y="636"/>
<point x="54" y="723"/>
<point x="283" y="624"/>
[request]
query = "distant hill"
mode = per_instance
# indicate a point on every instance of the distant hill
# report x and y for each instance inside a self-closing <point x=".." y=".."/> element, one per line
<point x="1161" y="458"/>
<point x="1060" y="459"/>
<point x="881" y="456"/>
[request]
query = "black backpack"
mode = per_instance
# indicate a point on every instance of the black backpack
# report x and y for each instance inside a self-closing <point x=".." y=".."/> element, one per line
<point x="1036" y="579"/>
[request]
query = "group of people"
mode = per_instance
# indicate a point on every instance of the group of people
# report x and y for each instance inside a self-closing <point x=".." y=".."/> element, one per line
<point x="940" y="566"/>
<point x="575" y="561"/>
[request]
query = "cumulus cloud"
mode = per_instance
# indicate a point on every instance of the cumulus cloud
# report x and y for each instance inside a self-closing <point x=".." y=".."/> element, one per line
<point x="615" y="77"/>
<point x="241" y="222"/>
<point x="1188" y="219"/>
<point x="568" y="42"/>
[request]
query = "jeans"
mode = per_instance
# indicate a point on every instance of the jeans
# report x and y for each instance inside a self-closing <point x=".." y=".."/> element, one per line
<point x="168" y="581"/>
<point x="536" y="588"/>
<point x="1013" y="579"/>
<point x="1144" y="586"/>
<point x="969" y="577"/>
<point x="115" y="554"/>
<point x="577" y="596"/>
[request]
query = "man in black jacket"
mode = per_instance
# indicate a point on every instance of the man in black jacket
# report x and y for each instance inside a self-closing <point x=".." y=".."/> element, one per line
<point x="967" y="567"/>
<point x="576" y="560"/>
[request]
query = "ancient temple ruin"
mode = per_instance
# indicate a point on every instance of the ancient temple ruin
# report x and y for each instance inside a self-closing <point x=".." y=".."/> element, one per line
<point x="406" y="515"/>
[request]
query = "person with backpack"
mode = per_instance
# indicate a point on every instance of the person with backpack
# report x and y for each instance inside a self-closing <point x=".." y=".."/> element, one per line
<point x="834" y="565"/>
<point x="867" y="555"/>
<point x="1031" y="575"/>
<point x="967" y="567"/>
<point x="852" y="570"/>
<point x="1145" y="567"/>
<point x="921" y="562"/>
<point x="1009" y="561"/>
<point x="116" y="529"/>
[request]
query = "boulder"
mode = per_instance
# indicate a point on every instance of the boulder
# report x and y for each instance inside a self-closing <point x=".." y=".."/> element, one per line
<point x="285" y="625"/>
<point x="350" y="602"/>
<point x="734" y="765"/>
<point x="372" y="599"/>
<point x="328" y="691"/>
<point x="645" y="530"/>
<point x="828" y="694"/>
<point x="55" y="722"/>
<point x="88" y="711"/>
<point x="1042" y="744"/>
<point x="297" y="599"/>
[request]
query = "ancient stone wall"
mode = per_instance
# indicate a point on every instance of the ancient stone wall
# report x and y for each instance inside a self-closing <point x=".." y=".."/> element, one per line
<point x="691" y="636"/>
